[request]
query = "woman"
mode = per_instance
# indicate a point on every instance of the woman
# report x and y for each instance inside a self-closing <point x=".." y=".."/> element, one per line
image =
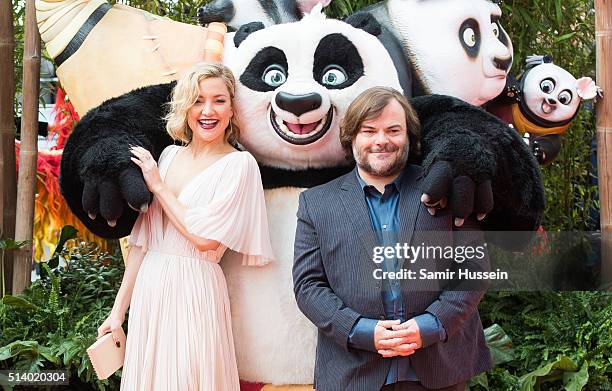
<point x="207" y="197"/>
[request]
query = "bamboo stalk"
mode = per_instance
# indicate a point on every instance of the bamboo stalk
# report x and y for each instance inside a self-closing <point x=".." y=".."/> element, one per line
<point x="8" y="180"/>
<point x="26" y="183"/>
<point x="603" y="37"/>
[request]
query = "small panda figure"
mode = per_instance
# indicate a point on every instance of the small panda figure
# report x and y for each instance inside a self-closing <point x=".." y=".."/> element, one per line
<point x="240" y="12"/>
<point x="541" y="103"/>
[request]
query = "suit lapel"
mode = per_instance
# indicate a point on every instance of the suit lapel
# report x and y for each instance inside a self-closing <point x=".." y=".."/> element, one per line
<point x="410" y="205"/>
<point x="356" y="209"/>
<point x="410" y="202"/>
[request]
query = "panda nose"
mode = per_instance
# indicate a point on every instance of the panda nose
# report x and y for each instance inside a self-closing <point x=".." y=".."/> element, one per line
<point x="551" y="101"/>
<point x="502" y="63"/>
<point x="298" y="104"/>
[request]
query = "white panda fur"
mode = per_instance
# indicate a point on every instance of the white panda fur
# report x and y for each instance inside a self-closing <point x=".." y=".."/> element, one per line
<point x="275" y="343"/>
<point x="432" y="31"/>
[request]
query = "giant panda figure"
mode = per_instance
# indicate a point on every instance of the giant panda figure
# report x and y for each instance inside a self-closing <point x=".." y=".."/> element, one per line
<point x="295" y="82"/>
<point x="292" y="90"/>
<point x="453" y="47"/>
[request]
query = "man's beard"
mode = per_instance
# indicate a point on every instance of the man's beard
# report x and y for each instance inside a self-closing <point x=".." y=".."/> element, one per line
<point x="388" y="170"/>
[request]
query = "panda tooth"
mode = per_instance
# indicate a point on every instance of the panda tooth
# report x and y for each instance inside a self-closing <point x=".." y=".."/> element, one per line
<point x="284" y="127"/>
<point x="319" y="126"/>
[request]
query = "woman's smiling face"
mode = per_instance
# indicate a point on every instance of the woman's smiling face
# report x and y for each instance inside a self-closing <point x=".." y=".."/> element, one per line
<point x="211" y="113"/>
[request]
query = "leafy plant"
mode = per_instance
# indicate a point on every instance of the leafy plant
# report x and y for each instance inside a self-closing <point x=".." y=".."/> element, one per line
<point x="53" y="322"/>
<point x="560" y="341"/>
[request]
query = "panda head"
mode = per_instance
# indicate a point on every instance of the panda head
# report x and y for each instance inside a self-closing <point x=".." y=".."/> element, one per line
<point x="552" y="94"/>
<point x="294" y="84"/>
<point x="457" y="47"/>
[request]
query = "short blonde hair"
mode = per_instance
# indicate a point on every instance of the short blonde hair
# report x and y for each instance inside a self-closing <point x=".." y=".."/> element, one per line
<point x="185" y="94"/>
<point x="369" y="105"/>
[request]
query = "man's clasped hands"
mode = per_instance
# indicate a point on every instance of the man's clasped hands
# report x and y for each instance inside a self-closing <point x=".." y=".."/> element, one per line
<point x="392" y="338"/>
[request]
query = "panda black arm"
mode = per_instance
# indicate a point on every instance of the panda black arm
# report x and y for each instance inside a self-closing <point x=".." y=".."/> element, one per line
<point x="97" y="178"/>
<point x="482" y="148"/>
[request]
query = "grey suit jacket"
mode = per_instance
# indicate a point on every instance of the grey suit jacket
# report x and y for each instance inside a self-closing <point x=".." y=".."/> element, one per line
<point x="334" y="287"/>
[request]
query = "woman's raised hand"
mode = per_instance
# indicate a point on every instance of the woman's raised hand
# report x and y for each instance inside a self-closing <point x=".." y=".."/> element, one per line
<point x="143" y="159"/>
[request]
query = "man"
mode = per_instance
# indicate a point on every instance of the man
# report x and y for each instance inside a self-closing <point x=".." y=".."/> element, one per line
<point x="385" y="334"/>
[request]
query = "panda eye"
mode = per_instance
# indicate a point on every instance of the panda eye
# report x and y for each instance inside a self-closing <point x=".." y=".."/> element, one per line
<point x="469" y="37"/>
<point x="274" y="75"/>
<point x="333" y="76"/>
<point x="495" y="29"/>
<point x="547" y="86"/>
<point x="565" y="97"/>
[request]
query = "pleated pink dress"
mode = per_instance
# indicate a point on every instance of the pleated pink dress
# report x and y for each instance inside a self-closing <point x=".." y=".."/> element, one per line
<point x="179" y="329"/>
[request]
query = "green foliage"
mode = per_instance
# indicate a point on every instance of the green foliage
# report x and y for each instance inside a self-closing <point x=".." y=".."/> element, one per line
<point x="560" y="340"/>
<point x="185" y="11"/>
<point x="53" y="322"/>
<point x="340" y="9"/>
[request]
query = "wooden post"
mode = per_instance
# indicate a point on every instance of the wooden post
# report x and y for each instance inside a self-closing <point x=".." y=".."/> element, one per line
<point x="603" y="37"/>
<point x="8" y="180"/>
<point x="26" y="183"/>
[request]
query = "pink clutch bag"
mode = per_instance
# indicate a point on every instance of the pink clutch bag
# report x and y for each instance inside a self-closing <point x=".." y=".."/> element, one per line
<point x="105" y="356"/>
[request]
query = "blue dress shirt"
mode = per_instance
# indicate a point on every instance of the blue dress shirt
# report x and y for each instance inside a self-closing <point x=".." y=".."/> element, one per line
<point x="384" y="214"/>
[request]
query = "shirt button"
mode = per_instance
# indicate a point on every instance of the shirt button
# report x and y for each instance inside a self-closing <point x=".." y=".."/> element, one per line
<point x="385" y="226"/>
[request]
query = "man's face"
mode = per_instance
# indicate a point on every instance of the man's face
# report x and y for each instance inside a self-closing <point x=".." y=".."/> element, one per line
<point x="380" y="147"/>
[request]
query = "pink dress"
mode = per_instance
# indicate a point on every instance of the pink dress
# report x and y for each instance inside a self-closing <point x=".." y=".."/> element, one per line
<point x="179" y="328"/>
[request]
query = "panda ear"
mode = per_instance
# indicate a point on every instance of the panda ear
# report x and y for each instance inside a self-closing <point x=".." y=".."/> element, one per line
<point x="245" y="30"/>
<point x="586" y="88"/>
<point x="366" y="22"/>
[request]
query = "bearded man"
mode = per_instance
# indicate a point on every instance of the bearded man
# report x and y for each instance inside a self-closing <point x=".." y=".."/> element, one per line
<point x="378" y="328"/>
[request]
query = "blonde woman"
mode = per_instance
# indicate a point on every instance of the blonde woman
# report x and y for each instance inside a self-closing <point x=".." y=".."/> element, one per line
<point x="208" y="197"/>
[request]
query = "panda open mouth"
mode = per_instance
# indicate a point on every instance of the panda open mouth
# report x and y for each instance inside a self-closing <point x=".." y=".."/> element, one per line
<point x="301" y="134"/>
<point x="547" y="109"/>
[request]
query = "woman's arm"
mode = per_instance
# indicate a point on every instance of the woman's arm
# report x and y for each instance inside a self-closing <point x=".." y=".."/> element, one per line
<point x="124" y="296"/>
<point x="172" y="207"/>
<point x="115" y="319"/>
<point x="176" y="213"/>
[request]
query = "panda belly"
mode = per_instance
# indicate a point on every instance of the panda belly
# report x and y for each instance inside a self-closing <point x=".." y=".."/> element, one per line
<point x="274" y="342"/>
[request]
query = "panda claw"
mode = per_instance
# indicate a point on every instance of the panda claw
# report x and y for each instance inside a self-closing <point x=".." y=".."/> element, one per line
<point x="144" y="208"/>
<point x="91" y="215"/>
<point x="112" y="223"/>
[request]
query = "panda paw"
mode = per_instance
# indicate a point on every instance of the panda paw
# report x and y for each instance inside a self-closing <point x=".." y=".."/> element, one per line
<point x="460" y="193"/>
<point x="107" y="197"/>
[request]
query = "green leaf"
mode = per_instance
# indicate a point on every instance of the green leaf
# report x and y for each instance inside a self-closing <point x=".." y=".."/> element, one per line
<point x="10" y="244"/>
<point x="480" y="380"/>
<point x="528" y="381"/>
<point x="20" y="302"/>
<point x="499" y="344"/>
<point x="48" y="355"/>
<point x="563" y="38"/>
<point x="575" y="381"/>
<point x="68" y="232"/>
